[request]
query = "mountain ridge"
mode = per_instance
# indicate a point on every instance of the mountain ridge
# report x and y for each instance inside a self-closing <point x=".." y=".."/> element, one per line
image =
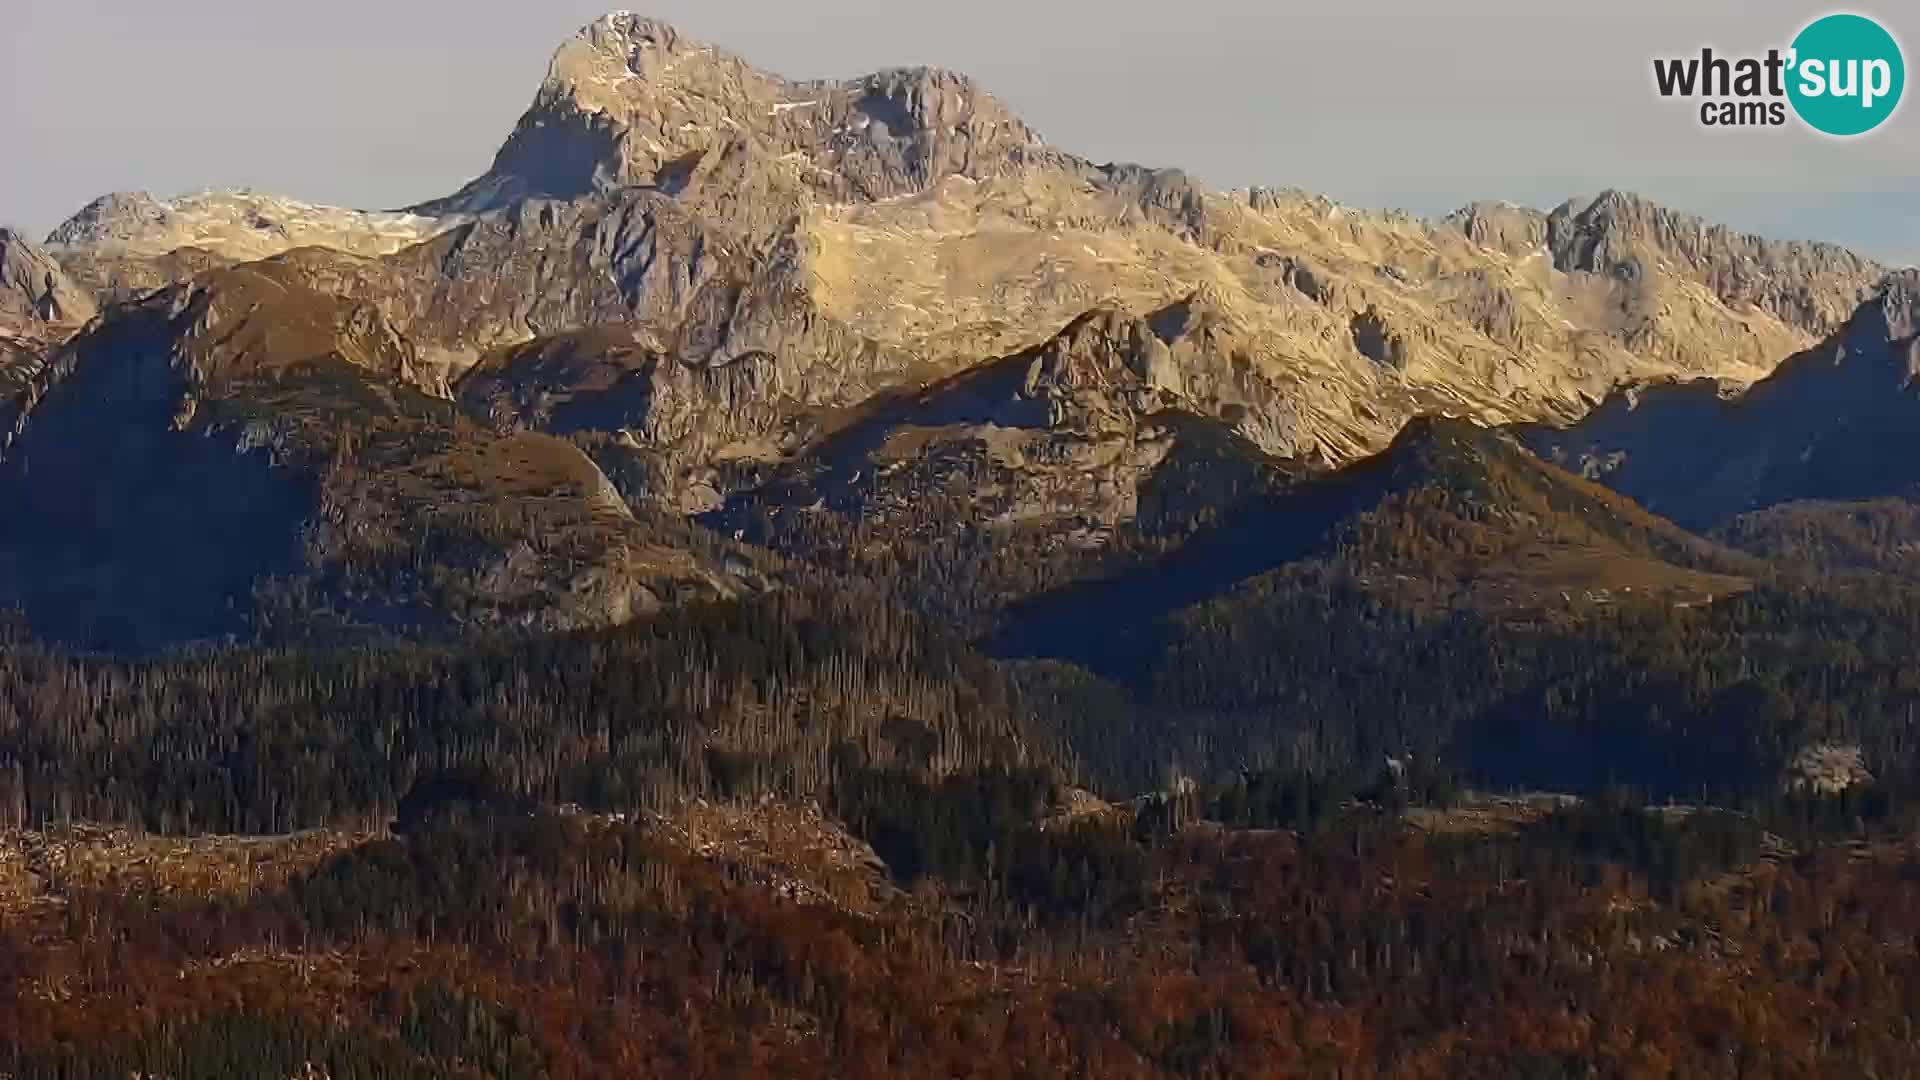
<point x="898" y="202"/>
<point x="718" y="293"/>
<point x="1819" y="427"/>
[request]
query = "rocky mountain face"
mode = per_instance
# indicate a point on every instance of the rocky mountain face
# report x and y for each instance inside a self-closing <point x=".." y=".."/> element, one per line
<point x="1810" y="286"/>
<point x="40" y="307"/>
<point x="630" y="102"/>
<point x="1825" y="425"/>
<point x="1450" y="515"/>
<point x="35" y="291"/>
<point x="713" y="291"/>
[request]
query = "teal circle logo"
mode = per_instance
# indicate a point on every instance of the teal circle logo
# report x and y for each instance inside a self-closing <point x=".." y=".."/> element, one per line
<point x="1846" y="75"/>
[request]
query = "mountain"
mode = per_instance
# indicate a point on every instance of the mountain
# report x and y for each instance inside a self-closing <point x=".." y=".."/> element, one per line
<point x="698" y="321"/>
<point x="631" y="102"/>
<point x="1810" y="286"/>
<point x="1451" y="517"/>
<point x="1823" y="426"/>
<point x="239" y="224"/>
<point x="1017" y="475"/>
<point x="1456" y="599"/>
<point x="830" y="240"/>
<point x="226" y="456"/>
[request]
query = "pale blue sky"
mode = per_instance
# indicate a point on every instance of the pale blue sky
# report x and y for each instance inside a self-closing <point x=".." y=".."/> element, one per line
<point x="1412" y="103"/>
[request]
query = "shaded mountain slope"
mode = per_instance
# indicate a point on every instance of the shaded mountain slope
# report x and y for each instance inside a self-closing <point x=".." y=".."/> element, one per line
<point x="1412" y="602"/>
<point x="1826" y="425"/>
<point x="241" y="451"/>
<point x="1880" y="535"/>
<point x="1455" y="600"/>
<point x="1020" y="474"/>
<point x="1450" y="516"/>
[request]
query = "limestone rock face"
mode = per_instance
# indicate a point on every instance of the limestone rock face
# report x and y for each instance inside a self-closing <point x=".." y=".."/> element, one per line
<point x="35" y="292"/>
<point x="1643" y="247"/>
<point x="629" y="101"/>
<point x="22" y="361"/>
<point x="1811" y="286"/>
<point x="40" y="307"/>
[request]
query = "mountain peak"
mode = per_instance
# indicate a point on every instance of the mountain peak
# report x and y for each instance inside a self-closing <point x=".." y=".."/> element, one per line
<point x="630" y="101"/>
<point x="1810" y="286"/>
<point x="621" y="45"/>
<point x="627" y="27"/>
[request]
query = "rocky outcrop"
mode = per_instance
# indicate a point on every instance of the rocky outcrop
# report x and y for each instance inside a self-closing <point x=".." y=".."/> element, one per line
<point x="40" y="307"/>
<point x="118" y="277"/>
<point x="1672" y="288"/>
<point x="1810" y="286"/>
<point x="1501" y="226"/>
<point x="1063" y="441"/>
<point x="1826" y="769"/>
<point x="654" y="422"/>
<point x="22" y="360"/>
<point x="36" y="295"/>
<point x="1616" y="235"/>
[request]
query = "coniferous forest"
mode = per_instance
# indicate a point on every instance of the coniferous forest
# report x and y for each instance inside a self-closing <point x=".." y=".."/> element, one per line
<point x="1325" y="822"/>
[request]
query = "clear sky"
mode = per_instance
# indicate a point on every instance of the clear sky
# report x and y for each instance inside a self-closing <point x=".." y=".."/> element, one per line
<point x="1418" y="104"/>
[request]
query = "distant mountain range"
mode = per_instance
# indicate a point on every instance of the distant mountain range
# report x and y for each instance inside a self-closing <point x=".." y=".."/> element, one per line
<point x="703" y="332"/>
